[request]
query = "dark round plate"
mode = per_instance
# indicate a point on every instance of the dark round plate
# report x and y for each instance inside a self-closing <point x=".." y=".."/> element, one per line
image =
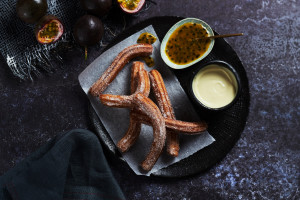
<point x="226" y="126"/>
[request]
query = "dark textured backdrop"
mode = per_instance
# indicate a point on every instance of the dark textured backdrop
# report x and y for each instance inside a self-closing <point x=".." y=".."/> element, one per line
<point x="264" y="164"/>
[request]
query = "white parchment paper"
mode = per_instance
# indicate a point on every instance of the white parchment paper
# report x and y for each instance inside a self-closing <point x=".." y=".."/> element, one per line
<point x="116" y="120"/>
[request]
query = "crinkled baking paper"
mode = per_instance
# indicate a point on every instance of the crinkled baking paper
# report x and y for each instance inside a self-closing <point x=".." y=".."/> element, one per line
<point x="116" y="120"/>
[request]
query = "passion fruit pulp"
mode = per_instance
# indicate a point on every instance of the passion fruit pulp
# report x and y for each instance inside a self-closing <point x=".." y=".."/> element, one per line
<point x="88" y="30"/>
<point x="96" y="7"/>
<point x="30" y="11"/>
<point x="131" y="6"/>
<point x="49" y="29"/>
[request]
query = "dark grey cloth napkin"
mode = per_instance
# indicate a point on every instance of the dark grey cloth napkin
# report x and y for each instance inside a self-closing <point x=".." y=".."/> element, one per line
<point x="71" y="166"/>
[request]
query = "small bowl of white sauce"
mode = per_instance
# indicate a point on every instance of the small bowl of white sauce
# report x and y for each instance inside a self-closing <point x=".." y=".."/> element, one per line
<point x="215" y="86"/>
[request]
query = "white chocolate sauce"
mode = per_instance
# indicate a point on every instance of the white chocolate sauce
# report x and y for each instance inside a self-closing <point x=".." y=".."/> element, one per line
<point x="215" y="86"/>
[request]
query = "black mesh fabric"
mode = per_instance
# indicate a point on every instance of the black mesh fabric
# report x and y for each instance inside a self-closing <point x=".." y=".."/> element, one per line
<point x="23" y="54"/>
<point x="27" y="58"/>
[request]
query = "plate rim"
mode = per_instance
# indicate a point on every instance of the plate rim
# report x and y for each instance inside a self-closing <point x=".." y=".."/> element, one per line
<point x="98" y="124"/>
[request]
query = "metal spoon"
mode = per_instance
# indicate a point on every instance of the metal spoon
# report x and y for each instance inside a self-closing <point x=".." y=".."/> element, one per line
<point x="219" y="36"/>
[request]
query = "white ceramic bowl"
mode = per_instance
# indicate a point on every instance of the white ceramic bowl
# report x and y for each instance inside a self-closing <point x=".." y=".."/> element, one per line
<point x="169" y="33"/>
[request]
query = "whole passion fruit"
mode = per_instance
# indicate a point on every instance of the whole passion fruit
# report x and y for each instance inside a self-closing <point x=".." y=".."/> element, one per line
<point x="131" y="6"/>
<point x="30" y="11"/>
<point x="88" y="30"/>
<point x="96" y="7"/>
<point x="49" y="29"/>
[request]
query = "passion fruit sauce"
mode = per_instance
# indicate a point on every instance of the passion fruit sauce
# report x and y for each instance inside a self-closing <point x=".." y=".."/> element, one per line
<point x="183" y="46"/>
<point x="149" y="61"/>
<point x="147" y="38"/>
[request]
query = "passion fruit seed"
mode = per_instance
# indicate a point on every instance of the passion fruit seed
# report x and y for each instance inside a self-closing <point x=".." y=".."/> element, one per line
<point x="182" y="48"/>
<point x="49" y="29"/>
<point x="30" y="11"/>
<point x="146" y="38"/>
<point x="149" y="61"/>
<point x="129" y="4"/>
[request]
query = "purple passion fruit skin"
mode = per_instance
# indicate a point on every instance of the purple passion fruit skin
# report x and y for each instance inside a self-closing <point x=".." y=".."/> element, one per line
<point x="131" y="6"/>
<point x="48" y="30"/>
<point x="30" y="11"/>
<point x="88" y="30"/>
<point x="96" y="7"/>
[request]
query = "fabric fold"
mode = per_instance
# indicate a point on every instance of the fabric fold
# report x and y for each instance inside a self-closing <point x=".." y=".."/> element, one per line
<point x="70" y="166"/>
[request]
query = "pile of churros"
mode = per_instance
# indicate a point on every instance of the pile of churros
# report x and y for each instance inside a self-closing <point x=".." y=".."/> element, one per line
<point x="142" y="109"/>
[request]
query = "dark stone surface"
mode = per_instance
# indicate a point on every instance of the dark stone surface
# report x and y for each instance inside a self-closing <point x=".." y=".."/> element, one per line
<point x="264" y="164"/>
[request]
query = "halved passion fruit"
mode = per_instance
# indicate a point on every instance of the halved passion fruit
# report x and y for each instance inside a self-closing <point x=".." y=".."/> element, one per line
<point x="49" y="29"/>
<point x="131" y="6"/>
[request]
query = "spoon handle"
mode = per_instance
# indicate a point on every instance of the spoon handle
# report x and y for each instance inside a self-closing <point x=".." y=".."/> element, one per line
<point x="226" y="35"/>
<point x="220" y="36"/>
